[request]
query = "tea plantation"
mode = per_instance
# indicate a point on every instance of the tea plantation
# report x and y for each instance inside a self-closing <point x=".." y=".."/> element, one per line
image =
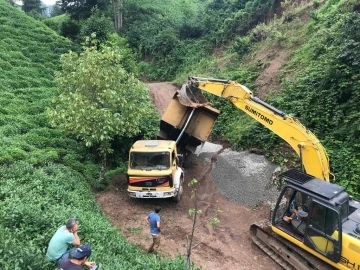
<point x="43" y="173"/>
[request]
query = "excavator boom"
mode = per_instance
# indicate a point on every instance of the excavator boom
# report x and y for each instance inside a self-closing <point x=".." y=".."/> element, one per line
<point x="311" y="152"/>
<point x="315" y="224"/>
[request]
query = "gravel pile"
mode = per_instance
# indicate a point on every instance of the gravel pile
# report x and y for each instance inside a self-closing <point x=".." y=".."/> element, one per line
<point x="208" y="147"/>
<point x="243" y="177"/>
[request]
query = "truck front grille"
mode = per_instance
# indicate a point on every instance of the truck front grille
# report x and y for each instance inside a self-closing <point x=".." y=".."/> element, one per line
<point x="150" y="182"/>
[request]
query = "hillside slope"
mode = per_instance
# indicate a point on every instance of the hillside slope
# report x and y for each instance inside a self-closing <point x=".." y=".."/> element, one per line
<point x="44" y="174"/>
<point x="304" y="62"/>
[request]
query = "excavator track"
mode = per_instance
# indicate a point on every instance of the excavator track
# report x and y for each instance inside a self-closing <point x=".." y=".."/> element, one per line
<point x="283" y="252"/>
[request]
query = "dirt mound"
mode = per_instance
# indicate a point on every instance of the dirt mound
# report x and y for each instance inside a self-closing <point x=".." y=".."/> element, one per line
<point x="161" y="94"/>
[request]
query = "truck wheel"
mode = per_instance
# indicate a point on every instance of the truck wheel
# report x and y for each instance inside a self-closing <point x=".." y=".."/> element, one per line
<point x="180" y="191"/>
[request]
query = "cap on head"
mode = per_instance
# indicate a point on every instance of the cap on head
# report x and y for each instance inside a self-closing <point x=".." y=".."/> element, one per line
<point x="81" y="252"/>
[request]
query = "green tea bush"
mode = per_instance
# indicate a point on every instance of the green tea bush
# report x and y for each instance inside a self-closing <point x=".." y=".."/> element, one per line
<point x="55" y="22"/>
<point x="43" y="156"/>
<point x="13" y="257"/>
<point x="45" y="175"/>
<point x="57" y="193"/>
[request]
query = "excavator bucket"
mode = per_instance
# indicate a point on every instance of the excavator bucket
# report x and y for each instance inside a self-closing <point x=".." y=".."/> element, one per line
<point x="191" y="96"/>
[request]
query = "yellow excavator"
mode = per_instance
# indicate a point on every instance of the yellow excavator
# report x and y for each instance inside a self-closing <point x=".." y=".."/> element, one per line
<point x="315" y="224"/>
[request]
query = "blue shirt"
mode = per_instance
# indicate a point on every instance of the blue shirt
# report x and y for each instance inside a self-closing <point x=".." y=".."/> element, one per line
<point x="154" y="219"/>
<point x="302" y="214"/>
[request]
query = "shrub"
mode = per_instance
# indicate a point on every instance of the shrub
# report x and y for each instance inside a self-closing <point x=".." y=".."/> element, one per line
<point x="36" y="201"/>
<point x="70" y="29"/>
<point x="99" y="24"/>
<point x="241" y="45"/>
<point x="55" y="22"/>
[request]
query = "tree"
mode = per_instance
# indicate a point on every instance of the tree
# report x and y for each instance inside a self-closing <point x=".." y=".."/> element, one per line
<point x="81" y="9"/>
<point x="32" y="5"/>
<point x="70" y="28"/>
<point x="97" y="23"/>
<point x="98" y="98"/>
<point x="14" y="3"/>
<point x="56" y="10"/>
<point x="118" y="13"/>
<point x="194" y="213"/>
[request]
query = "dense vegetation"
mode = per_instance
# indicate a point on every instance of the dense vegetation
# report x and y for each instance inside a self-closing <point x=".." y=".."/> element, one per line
<point x="319" y="86"/>
<point x="173" y="37"/>
<point x="170" y="36"/>
<point x="45" y="174"/>
<point x="324" y="88"/>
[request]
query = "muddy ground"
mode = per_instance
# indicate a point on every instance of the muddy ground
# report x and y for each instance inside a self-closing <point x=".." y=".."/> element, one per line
<point x="227" y="246"/>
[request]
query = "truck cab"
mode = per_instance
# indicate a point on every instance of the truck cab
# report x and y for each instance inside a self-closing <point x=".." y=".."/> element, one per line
<point x="155" y="166"/>
<point x="154" y="171"/>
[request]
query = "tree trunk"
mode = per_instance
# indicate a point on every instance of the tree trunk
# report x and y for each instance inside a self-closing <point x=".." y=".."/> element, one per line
<point x="191" y="239"/>
<point x="118" y="13"/>
<point x="114" y="11"/>
<point x="121" y="4"/>
<point x="103" y="168"/>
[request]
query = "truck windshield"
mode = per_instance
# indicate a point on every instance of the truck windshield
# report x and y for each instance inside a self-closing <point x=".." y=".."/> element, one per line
<point x="150" y="161"/>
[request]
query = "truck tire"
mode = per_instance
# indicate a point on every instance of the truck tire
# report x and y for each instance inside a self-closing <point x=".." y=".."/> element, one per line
<point x="180" y="191"/>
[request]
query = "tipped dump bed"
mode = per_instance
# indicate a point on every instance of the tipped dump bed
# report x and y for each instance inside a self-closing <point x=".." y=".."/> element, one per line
<point x="198" y="129"/>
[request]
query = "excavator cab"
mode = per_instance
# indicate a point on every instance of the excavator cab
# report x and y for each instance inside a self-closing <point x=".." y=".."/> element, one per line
<point x="311" y="212"/>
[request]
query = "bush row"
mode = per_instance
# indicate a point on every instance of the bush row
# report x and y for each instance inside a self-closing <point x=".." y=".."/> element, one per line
<point x="45" y="175"/>
<point x="34" y="201"/>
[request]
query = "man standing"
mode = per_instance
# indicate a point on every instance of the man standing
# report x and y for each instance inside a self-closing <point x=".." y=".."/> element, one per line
<point x="65" y="236"/>
<point x="78" y="258"/>
<point x="153" y="219"/>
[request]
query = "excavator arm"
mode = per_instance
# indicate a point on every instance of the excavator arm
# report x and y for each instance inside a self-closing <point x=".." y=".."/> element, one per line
<point x="311" y="152"/>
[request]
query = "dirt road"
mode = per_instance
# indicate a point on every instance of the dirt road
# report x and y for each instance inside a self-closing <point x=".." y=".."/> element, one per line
<point x="226" y="247"/>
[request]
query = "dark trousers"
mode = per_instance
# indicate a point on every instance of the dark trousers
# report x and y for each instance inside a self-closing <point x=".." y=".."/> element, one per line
<point x="155" y="242"/>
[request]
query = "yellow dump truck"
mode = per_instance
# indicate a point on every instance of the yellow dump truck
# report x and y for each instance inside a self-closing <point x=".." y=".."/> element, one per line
<point x="156" y="166"/>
